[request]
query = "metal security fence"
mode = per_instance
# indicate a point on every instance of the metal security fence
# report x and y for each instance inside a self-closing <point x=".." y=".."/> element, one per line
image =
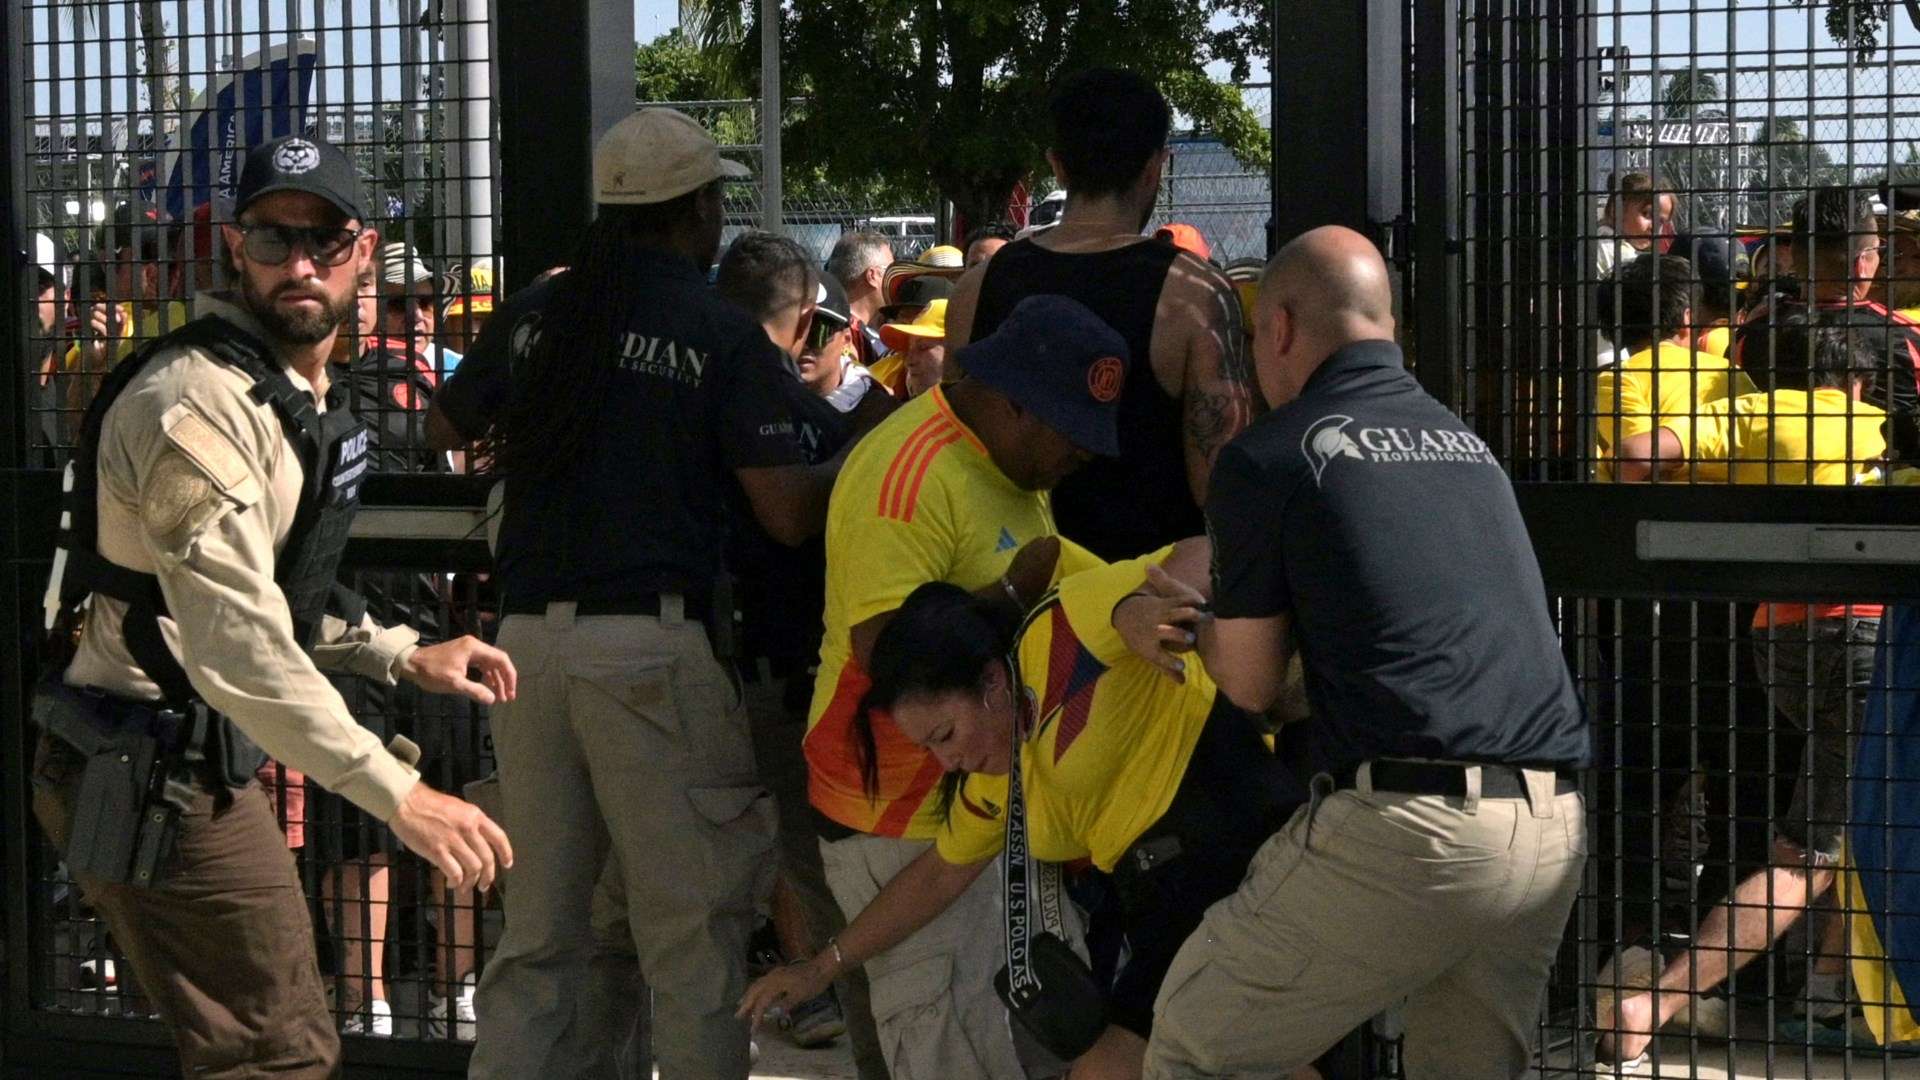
<point x="1620" y="182"/>
<point x="137" y="114"/>
<point x="132" y="119"/>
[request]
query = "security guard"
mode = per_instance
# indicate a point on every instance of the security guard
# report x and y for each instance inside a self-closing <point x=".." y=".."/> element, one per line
<point x="635" y="399"/>
<point x="208" y="506"/>
<point x="1439" y="857"/>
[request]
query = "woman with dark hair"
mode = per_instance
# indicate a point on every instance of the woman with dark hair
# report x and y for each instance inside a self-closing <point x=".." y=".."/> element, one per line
<point x="1117" y="761"/>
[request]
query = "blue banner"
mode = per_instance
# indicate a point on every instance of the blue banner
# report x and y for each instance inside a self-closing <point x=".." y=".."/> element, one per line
<point x="1883" y="840"/>
<point x="266" y="96"/>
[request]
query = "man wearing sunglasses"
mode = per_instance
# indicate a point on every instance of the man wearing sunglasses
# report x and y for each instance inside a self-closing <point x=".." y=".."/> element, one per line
<point x="410" y="306"/>
<point x="214" y="485"/>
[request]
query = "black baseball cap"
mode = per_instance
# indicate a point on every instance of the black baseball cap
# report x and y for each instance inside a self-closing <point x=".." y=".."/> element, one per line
<point x="831" y="301"/>
<point x="918" y="292"/>
<point x="297" y="163"/>
<point x="1058" y="360"/>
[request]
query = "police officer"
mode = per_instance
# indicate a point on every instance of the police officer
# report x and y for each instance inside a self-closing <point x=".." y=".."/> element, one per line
<point x="216" y="476"/>
<point x="1439" y="857"/>
<point x="636" y="400"/>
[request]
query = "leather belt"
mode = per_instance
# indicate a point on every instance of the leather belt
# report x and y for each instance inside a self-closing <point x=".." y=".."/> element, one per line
<point x="645" y="604"/>
<point x="1450" y="778"/>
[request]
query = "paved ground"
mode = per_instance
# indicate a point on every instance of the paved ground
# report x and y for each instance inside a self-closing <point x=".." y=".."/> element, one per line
<point x="780" y="1060"/>
<point x="1750" y="1059"/>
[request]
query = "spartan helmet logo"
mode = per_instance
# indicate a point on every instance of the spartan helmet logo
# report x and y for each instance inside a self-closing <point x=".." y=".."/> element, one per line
<point x="1327" y="439"/>
<point x="296" y="156"/>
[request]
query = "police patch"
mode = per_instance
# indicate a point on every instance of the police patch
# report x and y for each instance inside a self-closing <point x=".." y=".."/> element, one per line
<point x="296" y="156"/>
<point x="174" y="488"/>
<point x="216" y="455"/>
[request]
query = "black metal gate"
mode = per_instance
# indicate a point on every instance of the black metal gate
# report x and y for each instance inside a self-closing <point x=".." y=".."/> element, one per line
<point x="122" y="124"/>
<point x="1679" y="601"/>
<point x="1502" y="132"/>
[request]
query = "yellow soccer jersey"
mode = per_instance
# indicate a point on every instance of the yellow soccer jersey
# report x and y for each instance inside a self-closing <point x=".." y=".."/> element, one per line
<point x="1784" y="437"/>
<point x="918" y="500"/>
<point x="1111" y="736"/>
<point x="1669" y="380"/>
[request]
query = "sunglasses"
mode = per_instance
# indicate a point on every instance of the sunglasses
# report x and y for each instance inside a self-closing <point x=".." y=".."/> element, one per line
<point x="822" y="330"/>
<point x="273" y="245"/>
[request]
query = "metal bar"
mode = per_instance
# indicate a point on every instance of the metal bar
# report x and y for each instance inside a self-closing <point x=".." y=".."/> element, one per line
<point x="1776" y="542"/>
<point x="771" y="189"/>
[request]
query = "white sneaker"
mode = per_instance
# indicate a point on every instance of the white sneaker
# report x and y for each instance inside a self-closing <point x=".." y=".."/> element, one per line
<point x="465" y="1021"/>
<point x="377" y="1021"/>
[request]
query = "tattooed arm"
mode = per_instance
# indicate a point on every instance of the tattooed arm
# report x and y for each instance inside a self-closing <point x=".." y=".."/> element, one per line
<point x="1218" y="394"/>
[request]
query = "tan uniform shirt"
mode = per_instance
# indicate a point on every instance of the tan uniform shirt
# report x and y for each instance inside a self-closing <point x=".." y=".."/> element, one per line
<point x="198" y="485"/>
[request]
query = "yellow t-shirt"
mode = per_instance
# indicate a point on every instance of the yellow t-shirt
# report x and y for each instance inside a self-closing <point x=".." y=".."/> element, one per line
<point x="918" y="500"/>
<point x="1784" y="437"/>
<point x="1112" y="734"/>
<point x="1788" y="437"/>
<point x="1717" y="341"/>
<point x="1668" y="380"/>
<point x="134" y="333"/>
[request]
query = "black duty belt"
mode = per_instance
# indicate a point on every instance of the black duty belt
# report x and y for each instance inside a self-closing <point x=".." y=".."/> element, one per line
<point x="1450" y="778"/>
<point x="696" y="608"/>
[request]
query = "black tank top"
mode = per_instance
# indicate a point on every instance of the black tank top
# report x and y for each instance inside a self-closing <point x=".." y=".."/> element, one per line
<point x="1125" y="506"/>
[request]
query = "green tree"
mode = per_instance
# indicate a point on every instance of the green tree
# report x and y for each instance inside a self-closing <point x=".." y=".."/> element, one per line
<point x="1687" y="90"/>
<point x="953" y="92"/>
<point x="1786" y="165"/>
<point x="1858" y="23"/>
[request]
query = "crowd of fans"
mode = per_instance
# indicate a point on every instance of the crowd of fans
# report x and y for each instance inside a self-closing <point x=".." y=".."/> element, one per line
<point x="1028" y="420"/>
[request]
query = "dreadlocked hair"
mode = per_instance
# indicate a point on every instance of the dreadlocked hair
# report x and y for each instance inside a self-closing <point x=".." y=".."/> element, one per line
<point x="569" y="366"/>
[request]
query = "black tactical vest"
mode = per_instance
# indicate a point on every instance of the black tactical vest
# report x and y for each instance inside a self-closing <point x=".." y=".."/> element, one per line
<point x="333" y="454"/>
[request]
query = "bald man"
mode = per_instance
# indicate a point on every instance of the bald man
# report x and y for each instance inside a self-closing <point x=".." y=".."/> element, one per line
<point x="1368" y="527"/>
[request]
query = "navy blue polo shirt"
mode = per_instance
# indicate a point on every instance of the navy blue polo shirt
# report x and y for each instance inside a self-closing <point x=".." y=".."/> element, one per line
<point x="696" y="393"/>
<point x="1376" y="518"/>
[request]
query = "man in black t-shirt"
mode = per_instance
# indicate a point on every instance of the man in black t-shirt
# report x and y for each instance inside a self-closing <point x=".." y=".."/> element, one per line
<point x="1368" y="523"/>
<point x="635" y="400"/>
<point x="1189" y="389"/>
<point x="780" y="593"/>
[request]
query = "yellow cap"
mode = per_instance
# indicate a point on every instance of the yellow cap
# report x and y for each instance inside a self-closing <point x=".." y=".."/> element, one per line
<point x="930" y="323"/>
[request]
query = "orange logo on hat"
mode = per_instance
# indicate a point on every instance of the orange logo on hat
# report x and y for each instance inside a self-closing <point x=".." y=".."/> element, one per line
<point x="1105" y="377"/>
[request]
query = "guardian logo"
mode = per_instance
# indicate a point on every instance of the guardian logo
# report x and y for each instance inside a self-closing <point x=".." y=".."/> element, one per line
<point x="1326" y="439"/>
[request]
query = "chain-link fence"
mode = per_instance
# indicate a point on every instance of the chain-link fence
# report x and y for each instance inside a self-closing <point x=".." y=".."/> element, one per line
<point x="1738" y="141"/>
<point x="1206" y="186"/>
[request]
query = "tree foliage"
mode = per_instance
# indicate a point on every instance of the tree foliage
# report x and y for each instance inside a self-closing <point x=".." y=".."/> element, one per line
<point x="953" y="92"/>
<point x="1858" y="23"/>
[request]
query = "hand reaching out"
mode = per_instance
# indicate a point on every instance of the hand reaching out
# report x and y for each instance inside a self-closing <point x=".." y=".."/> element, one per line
<point x="444" y="669"/>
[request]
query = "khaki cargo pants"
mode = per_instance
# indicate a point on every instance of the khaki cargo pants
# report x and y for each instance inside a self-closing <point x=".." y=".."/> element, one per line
<point x="1366" y="898"/>
<point x="626" y="733"/>
<point x="932" y="994"/>
<point x="224" y="946"/>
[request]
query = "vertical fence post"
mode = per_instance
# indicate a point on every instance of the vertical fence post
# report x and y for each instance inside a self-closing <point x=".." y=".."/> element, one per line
<point x="566" y="76"/>
<point x="1317" y="46"/>
<point x="14" y="603"/>
<point x="771" y="194"/>
<point x="1436" y="173"/>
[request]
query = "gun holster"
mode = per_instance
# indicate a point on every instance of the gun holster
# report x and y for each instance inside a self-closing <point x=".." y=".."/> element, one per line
<point x="132" y="789"/>
<point x="1067" y="1012"/>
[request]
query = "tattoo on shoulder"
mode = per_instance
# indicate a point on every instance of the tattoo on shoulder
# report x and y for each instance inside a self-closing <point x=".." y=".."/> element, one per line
<point x="1214" y="417"/>
<point x="1236" y="360"/>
